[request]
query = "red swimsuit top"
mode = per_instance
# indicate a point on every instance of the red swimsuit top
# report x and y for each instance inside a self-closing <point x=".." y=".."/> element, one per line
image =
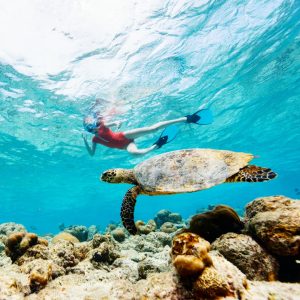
<point x="111" y="139"/>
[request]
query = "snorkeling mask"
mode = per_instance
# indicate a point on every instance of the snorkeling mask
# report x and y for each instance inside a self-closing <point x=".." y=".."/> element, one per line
<point x="90" y="124"/>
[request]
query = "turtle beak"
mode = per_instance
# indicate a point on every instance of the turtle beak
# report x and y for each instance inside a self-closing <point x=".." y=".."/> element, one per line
<point x="104" y="177"/>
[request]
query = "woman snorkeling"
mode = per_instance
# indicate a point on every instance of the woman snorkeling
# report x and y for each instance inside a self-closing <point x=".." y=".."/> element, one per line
<point x="125" y="140"/>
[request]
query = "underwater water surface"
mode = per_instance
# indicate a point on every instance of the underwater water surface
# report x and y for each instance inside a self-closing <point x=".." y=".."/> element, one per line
<point x="150" y="61"/>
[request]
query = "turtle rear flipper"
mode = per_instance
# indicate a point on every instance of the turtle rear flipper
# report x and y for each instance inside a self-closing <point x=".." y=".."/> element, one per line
<point x="252" y="174"/>
<point x="127" y="209"/>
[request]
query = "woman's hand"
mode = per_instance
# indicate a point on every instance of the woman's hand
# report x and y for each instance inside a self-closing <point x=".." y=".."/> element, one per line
<point x="84" y="136"/>
<point x="118" y="124"/>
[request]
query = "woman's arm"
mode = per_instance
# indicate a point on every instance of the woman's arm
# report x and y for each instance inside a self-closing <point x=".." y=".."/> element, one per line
<point x="90" y="150"/>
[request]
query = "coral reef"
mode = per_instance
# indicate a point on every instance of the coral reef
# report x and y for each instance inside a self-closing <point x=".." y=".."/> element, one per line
<point x="247" y="255"/>
<point x="222" y="279"/>
<point x="168" y="227"/>
<point x="65" y="236"/>
<point x="79" y="231"/>
<point x="211" y="276"/>
<point x="92" y="230"/>
<point x="7" y="229"/>
<point x="143" y="228"/>
<point x="17" y="243"/>
<point x="190" y="254"/>
<point x="165" y="215"/>
<point x="117" y="266"/>
<point x="119" y="234"/>
<point x="106" y="253"/>
<point x="212" y="224"/>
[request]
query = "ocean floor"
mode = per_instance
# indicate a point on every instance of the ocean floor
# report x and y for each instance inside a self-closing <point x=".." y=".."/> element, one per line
<point x="215" y="254"/>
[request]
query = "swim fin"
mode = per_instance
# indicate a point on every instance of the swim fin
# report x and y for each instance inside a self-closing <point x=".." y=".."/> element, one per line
<point x="167" y="136"/>
<point x="201" y="117"/>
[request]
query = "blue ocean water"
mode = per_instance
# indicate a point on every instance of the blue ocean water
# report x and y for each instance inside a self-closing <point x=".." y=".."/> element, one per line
<point x="150" y="62"/>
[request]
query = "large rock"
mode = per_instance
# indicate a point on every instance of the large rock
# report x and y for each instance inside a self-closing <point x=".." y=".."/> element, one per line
<point x="247" y="255"/>
<point x="275" y="222"/>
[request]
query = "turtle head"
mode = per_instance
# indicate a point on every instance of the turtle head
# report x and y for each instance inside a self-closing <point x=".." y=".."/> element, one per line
<point x="118" y="176"/>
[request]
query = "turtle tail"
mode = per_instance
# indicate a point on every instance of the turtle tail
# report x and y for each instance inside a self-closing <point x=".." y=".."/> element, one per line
<point x="252" y="174"/>
<point x="127" y="209"/>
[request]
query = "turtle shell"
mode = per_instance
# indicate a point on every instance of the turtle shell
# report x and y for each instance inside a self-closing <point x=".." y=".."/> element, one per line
<point x="188" y="170"/>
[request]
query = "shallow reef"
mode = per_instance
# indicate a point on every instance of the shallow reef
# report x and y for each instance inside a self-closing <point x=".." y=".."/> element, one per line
<point x="255" y="256"/>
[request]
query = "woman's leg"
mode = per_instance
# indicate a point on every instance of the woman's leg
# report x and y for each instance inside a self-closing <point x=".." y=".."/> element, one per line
<point x="135" y="133"/>
<point x="132" y="148"/>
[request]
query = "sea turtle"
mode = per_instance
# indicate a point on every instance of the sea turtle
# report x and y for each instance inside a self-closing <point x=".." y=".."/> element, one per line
<point x="183" y="171"/>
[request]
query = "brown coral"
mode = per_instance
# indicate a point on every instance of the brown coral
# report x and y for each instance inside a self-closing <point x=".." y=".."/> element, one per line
<point x="17" y="244"/>
<point x="168" y="227"/>
<point x="211" y="275"/>
<point x="65" y="236"/>
<point x="190" y="254"/>
<point x="118" y="234"/>
<point x="40" y="276"/>
<point x="212" y="285"/>
<point x="145" y="228"/>
<point x="212" y="224"/>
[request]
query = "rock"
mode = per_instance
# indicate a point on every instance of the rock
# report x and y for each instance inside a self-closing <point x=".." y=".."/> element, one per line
<point x="275" y="222"/>
<point x="64" y="236"/>
<point x="212" y="224"/>
<point x="39" y="251"/>
<point x="247" y="255"/>
<point x="98" y="239"/>
<point x="146" y="267"/>
<point x="260" y="290"/>
<point x="40" y="272"/>
<point x="63" y="254"/>
<point x="118" y="234"/>
<point x="152" y="243"/>
<point x="271" y="203"/>
<point x="143" y="228"/>
<point x="190" y="254"/>
<point x="168" y="227"/>
<point x="13" y="284"/>
<point x="106" y="254"/>
<point x="127" y="267"/>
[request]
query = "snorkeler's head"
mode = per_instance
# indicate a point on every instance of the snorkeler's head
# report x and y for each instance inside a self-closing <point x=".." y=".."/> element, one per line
<point x="90" y="123"/>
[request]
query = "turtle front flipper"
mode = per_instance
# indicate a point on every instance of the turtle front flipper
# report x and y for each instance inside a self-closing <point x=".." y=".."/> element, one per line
<point x="252" y="174"/>
<point x="127" y="209"/>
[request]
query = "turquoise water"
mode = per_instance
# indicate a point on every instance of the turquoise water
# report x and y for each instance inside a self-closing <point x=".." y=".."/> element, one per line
<point x="151" y="62"/>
